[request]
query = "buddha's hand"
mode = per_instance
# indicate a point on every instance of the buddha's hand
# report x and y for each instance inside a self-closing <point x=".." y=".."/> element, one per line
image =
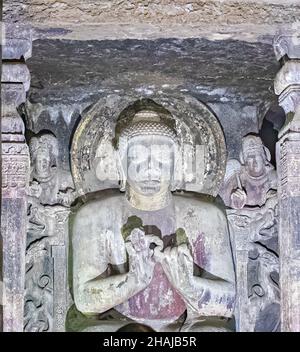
<point x="141" y="259"/>
<point x="178" y="265"/>
<point x="238" y="198"/>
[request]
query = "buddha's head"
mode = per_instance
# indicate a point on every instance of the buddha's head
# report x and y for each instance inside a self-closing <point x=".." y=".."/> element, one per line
<point x="148" y="147"/>
<point x="255" y="156"/>
<point x="43" y="152"/>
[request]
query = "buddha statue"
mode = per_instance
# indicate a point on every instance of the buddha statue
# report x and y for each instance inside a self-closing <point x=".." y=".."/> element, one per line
<point x="148" y="255"/>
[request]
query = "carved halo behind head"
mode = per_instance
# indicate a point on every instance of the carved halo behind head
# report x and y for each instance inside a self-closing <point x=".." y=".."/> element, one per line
<point x="198" y="133"/>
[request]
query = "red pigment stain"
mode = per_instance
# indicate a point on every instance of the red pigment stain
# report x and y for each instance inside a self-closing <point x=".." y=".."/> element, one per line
<point x="199" y="253"/>
<point x="158" y="301"/>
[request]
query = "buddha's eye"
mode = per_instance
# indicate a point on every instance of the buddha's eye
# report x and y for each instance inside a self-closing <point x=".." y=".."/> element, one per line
<point x="138" y="154"/>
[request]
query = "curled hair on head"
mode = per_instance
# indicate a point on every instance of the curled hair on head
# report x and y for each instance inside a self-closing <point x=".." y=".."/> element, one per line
<point x="147" y="122"/>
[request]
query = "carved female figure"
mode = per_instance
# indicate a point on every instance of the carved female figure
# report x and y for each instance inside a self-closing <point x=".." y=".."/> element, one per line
<point x="49" y="184"/>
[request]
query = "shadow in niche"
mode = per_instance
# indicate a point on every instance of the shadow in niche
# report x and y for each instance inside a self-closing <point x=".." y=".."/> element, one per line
<point x="129" y="112"/>
<point x="77" y="122"/>
<point x="272" y="124"/>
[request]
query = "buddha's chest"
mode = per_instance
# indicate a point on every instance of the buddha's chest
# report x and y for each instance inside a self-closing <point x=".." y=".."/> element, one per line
<point x="159" y="300"/>
<point x="160" y="223"/>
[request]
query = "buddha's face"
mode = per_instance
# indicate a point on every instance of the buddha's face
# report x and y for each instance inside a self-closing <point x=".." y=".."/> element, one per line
<point x="255" y="163"/>
<point x="42" y="164"/>
<point x="150" y="163"/>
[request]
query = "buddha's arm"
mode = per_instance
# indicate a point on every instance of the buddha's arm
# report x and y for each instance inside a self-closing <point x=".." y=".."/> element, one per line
<point x="212" y="294"/>
<point x="215" y="294"/>
<point x="102" y="294"/>
<point x="211" y="297"/>
<point x="207" y="297"/>
<point x="92" y="252"/>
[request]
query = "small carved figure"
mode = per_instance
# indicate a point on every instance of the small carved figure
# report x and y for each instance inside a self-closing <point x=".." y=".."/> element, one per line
<point x="252" y="181"/>
<point x="249" y="191"/>
<point x="49" y="184"/>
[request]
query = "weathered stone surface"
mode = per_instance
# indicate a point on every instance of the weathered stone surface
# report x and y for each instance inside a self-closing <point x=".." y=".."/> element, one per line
<point x="226" y="70"/>
<point x="16" y="73"/>
<point x="288" y="161"/>
<point x="49" y="199"/>
<point x="154" y="19"/>
<point x="17" y="43"/>
<point x="287" y="85"/>
<point x="15" y="172"/>
<point x="156" y="11"/>
<point x="233" y="78"/>
<point x="94" y="139"/>
<point x="12" y="95"/>
<point x="288" y="76"/>
<point x="249" y="191"/>
<point x="15" y="81"/>
<point x="46" y="279"/>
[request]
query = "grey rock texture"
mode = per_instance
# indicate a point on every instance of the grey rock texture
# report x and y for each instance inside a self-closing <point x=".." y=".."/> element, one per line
<point x="210" y="70"/>
<point x="235" y="11"/>
<point x="149" y="19"/>
<point x="15" y="82"/>
<point x="233" y="78"/>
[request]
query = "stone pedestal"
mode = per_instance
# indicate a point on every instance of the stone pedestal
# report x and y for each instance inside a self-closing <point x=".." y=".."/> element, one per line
<point x="15" y="82"/>
<point x="287" y="87"/>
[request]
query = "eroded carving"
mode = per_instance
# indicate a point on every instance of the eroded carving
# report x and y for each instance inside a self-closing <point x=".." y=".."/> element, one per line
<point x="49" y="184"/>
<point x="49" y="197"/>
<point x="198" y="130"/>
<point x="250" y="193"/>
<point x="251" y="180"/>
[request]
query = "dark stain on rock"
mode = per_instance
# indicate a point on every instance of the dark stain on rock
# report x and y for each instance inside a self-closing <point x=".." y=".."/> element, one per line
<point x="204" y="299"/>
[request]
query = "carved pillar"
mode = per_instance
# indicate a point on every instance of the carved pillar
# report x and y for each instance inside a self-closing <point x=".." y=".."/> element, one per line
<point x="287" y="87"/>
<point x="15" y="83"/>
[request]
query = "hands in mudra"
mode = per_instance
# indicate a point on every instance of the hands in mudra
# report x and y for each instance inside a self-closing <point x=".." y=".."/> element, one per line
<point x="145" y="251"/>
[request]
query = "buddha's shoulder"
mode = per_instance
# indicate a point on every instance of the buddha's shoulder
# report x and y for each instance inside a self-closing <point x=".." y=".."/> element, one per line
<point x="185" y="202"/>
<point x="102" y="204"/>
